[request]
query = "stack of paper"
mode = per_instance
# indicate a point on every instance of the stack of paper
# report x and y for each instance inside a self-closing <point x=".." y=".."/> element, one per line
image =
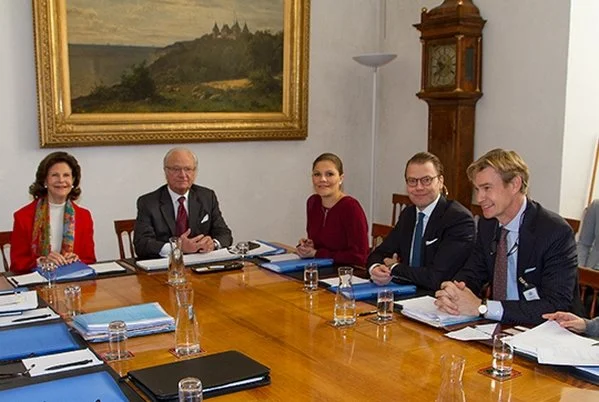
<point x="15" y="303"/>
<point x="423" y="309"/>
<point x="552" y="344"/>
<point x="189" y="259"/>
<point x="142" y="319"/>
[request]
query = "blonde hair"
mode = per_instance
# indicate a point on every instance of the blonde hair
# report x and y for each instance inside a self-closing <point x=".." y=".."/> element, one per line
<point x="507" y="163"/>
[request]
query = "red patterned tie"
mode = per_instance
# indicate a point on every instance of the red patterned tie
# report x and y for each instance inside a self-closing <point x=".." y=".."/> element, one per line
<point x="181" y="225"/>
<point x="500" y="271"/>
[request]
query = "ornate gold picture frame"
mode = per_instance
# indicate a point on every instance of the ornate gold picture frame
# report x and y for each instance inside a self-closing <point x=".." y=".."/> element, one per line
<point x="105" y="115"/>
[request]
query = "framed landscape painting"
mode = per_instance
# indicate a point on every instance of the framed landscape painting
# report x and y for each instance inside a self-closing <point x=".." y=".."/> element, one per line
<point x="153" y="71"/>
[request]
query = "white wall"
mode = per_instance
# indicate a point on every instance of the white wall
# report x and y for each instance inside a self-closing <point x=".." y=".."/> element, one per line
<point x="582" y="100"/>
<point x="525" y="47"/>
<point x="262" y="186"/>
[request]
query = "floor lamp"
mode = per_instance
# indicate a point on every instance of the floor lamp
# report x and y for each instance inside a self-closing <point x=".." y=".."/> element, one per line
<point x="373" y="60"/>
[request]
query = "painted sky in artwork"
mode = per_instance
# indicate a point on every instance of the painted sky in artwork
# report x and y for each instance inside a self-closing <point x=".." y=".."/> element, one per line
<point x="162" y="22"/>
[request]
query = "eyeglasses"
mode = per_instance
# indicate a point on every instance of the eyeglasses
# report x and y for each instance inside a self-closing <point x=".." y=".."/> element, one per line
<point x="425" y="181"/>
<point x="176" y="169"/>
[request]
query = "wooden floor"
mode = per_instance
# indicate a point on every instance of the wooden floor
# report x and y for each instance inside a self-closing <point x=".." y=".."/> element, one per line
<point x="268" y="317"/>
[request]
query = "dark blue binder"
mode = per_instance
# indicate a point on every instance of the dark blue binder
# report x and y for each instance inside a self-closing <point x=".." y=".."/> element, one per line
<point x="296" y="265"/>
<point x="36" y="340"/>
<point x="98" y="386"/>
<point x="369" y="290"/>
<point x="73" y="271"/>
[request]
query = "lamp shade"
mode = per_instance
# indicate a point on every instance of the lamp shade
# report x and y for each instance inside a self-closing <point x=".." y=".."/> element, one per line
<point x="374" y="59"/>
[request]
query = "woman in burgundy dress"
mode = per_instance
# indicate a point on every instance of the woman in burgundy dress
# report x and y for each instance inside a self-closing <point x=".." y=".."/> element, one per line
<point x="337" y="226"/>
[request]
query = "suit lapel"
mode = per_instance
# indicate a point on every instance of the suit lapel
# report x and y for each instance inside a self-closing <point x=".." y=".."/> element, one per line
<point x="167" y="210"/>
<point x="526" y="238"/>
<point x="434" y="220"/>
<point x="196" y="211"/>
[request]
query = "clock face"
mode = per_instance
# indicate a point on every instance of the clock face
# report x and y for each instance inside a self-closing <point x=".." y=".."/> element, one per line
<point x="442" y="65"/>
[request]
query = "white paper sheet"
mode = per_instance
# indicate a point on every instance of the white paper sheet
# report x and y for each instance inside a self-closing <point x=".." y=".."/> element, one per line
<point x="105" y="267"/>
<point x="488" y="329"/>
<point x="423" y="309"/>
<point x="20" y="319"/>
<point x="18" y="301"/>
<point x="33" y="278"/>
<point x="334" y="281"/>
<point x="468" y="334"/>
<point x="44" y="362"/>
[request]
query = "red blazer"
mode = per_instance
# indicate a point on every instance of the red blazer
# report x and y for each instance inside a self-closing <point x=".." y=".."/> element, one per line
<point x="22" y="258"/>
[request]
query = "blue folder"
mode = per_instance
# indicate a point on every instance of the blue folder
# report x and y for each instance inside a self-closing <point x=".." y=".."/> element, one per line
<point x="296" y="265"/>
<point x="369" y="290"/>
<point x="277" y="249"/>
<point x="74" y="270"/>
<point x="98" y="386"/>
<point x="36" y="340"/>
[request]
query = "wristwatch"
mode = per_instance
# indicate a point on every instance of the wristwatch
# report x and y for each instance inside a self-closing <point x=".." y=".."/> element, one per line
<point x="482" y="309"/>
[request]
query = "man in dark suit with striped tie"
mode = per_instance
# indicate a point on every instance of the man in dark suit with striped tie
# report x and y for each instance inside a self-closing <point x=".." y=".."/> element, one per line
<point x="432" y="238"/>
<point x="526" y="252"/>
<point x="179" y="208"/>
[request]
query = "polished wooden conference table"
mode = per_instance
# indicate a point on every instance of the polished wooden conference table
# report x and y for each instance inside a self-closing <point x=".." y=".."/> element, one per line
<point x="271" y="319"/>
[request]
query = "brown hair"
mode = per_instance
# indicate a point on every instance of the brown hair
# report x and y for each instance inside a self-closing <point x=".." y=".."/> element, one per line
<point x="38" y="190"/>
<point x="327" y="156"/>
<point x="507" y="163"/>
<point x="421" y="158"/>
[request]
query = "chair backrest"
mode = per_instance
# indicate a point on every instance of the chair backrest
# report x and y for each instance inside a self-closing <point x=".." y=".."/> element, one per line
<point x="4" y="250"/>
<point x="124" y="228"/>
<point x="588" y="279"/>
<point x="379" y="232"/>
<point x="400" y="201"/>
<point x="574" y="224"/>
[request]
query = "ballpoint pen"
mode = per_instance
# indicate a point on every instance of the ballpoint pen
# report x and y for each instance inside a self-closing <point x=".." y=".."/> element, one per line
<point x="370" y="312"/>
<point x="35" y="317"/>
<point x="72" y="364"/>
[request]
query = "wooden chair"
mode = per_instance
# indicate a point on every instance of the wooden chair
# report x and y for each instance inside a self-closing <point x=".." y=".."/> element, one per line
<point x="574" y="224"/>
<point x="4" y="247"/>
<point x="588" y="279"/>
<point x="124" y="228"/>
<point x="379" y="232"/>
<point x="400" y="201"/>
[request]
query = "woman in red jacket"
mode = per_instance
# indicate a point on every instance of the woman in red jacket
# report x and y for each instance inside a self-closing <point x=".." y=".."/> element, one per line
<point x="337" y="226"/>
<point x="52" y="225"/>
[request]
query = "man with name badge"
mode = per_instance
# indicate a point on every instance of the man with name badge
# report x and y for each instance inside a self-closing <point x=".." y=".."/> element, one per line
<point x="179" y="208"/>
<point x="526" y="252"/>
<point x="432" y="238"/>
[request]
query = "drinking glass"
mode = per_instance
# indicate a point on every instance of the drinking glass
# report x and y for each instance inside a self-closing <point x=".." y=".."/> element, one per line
<point x="48" y="271"/>
<point x="117" y="341"/>
<point x="72" y="298"/>
<point x="190" y="390"/>
<point x="311" y="277"/>
<point x="503" y="355"/>
<point x="384" y="305"/>
<point x="176" y="265"/>
<point x="242" y="248"/>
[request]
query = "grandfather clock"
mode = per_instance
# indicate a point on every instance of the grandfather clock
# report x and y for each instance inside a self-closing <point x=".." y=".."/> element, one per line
<point x="451" y="36"/>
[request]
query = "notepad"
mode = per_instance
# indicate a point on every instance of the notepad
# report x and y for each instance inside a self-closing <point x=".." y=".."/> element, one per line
<point x="141" y="319"/>
<point x="370" y="290"/>
<point x="423" y="309"/>
<point x="28" y="317"/>
<point x="296" y="265"/>
<point x="220" y="373"/>
<point x="107" y="267"/>
<point x="88" y="387"/>
<point x="37" y="340"/>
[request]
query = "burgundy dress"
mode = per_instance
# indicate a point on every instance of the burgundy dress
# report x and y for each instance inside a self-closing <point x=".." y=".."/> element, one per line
<point x="341" y="232"/>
